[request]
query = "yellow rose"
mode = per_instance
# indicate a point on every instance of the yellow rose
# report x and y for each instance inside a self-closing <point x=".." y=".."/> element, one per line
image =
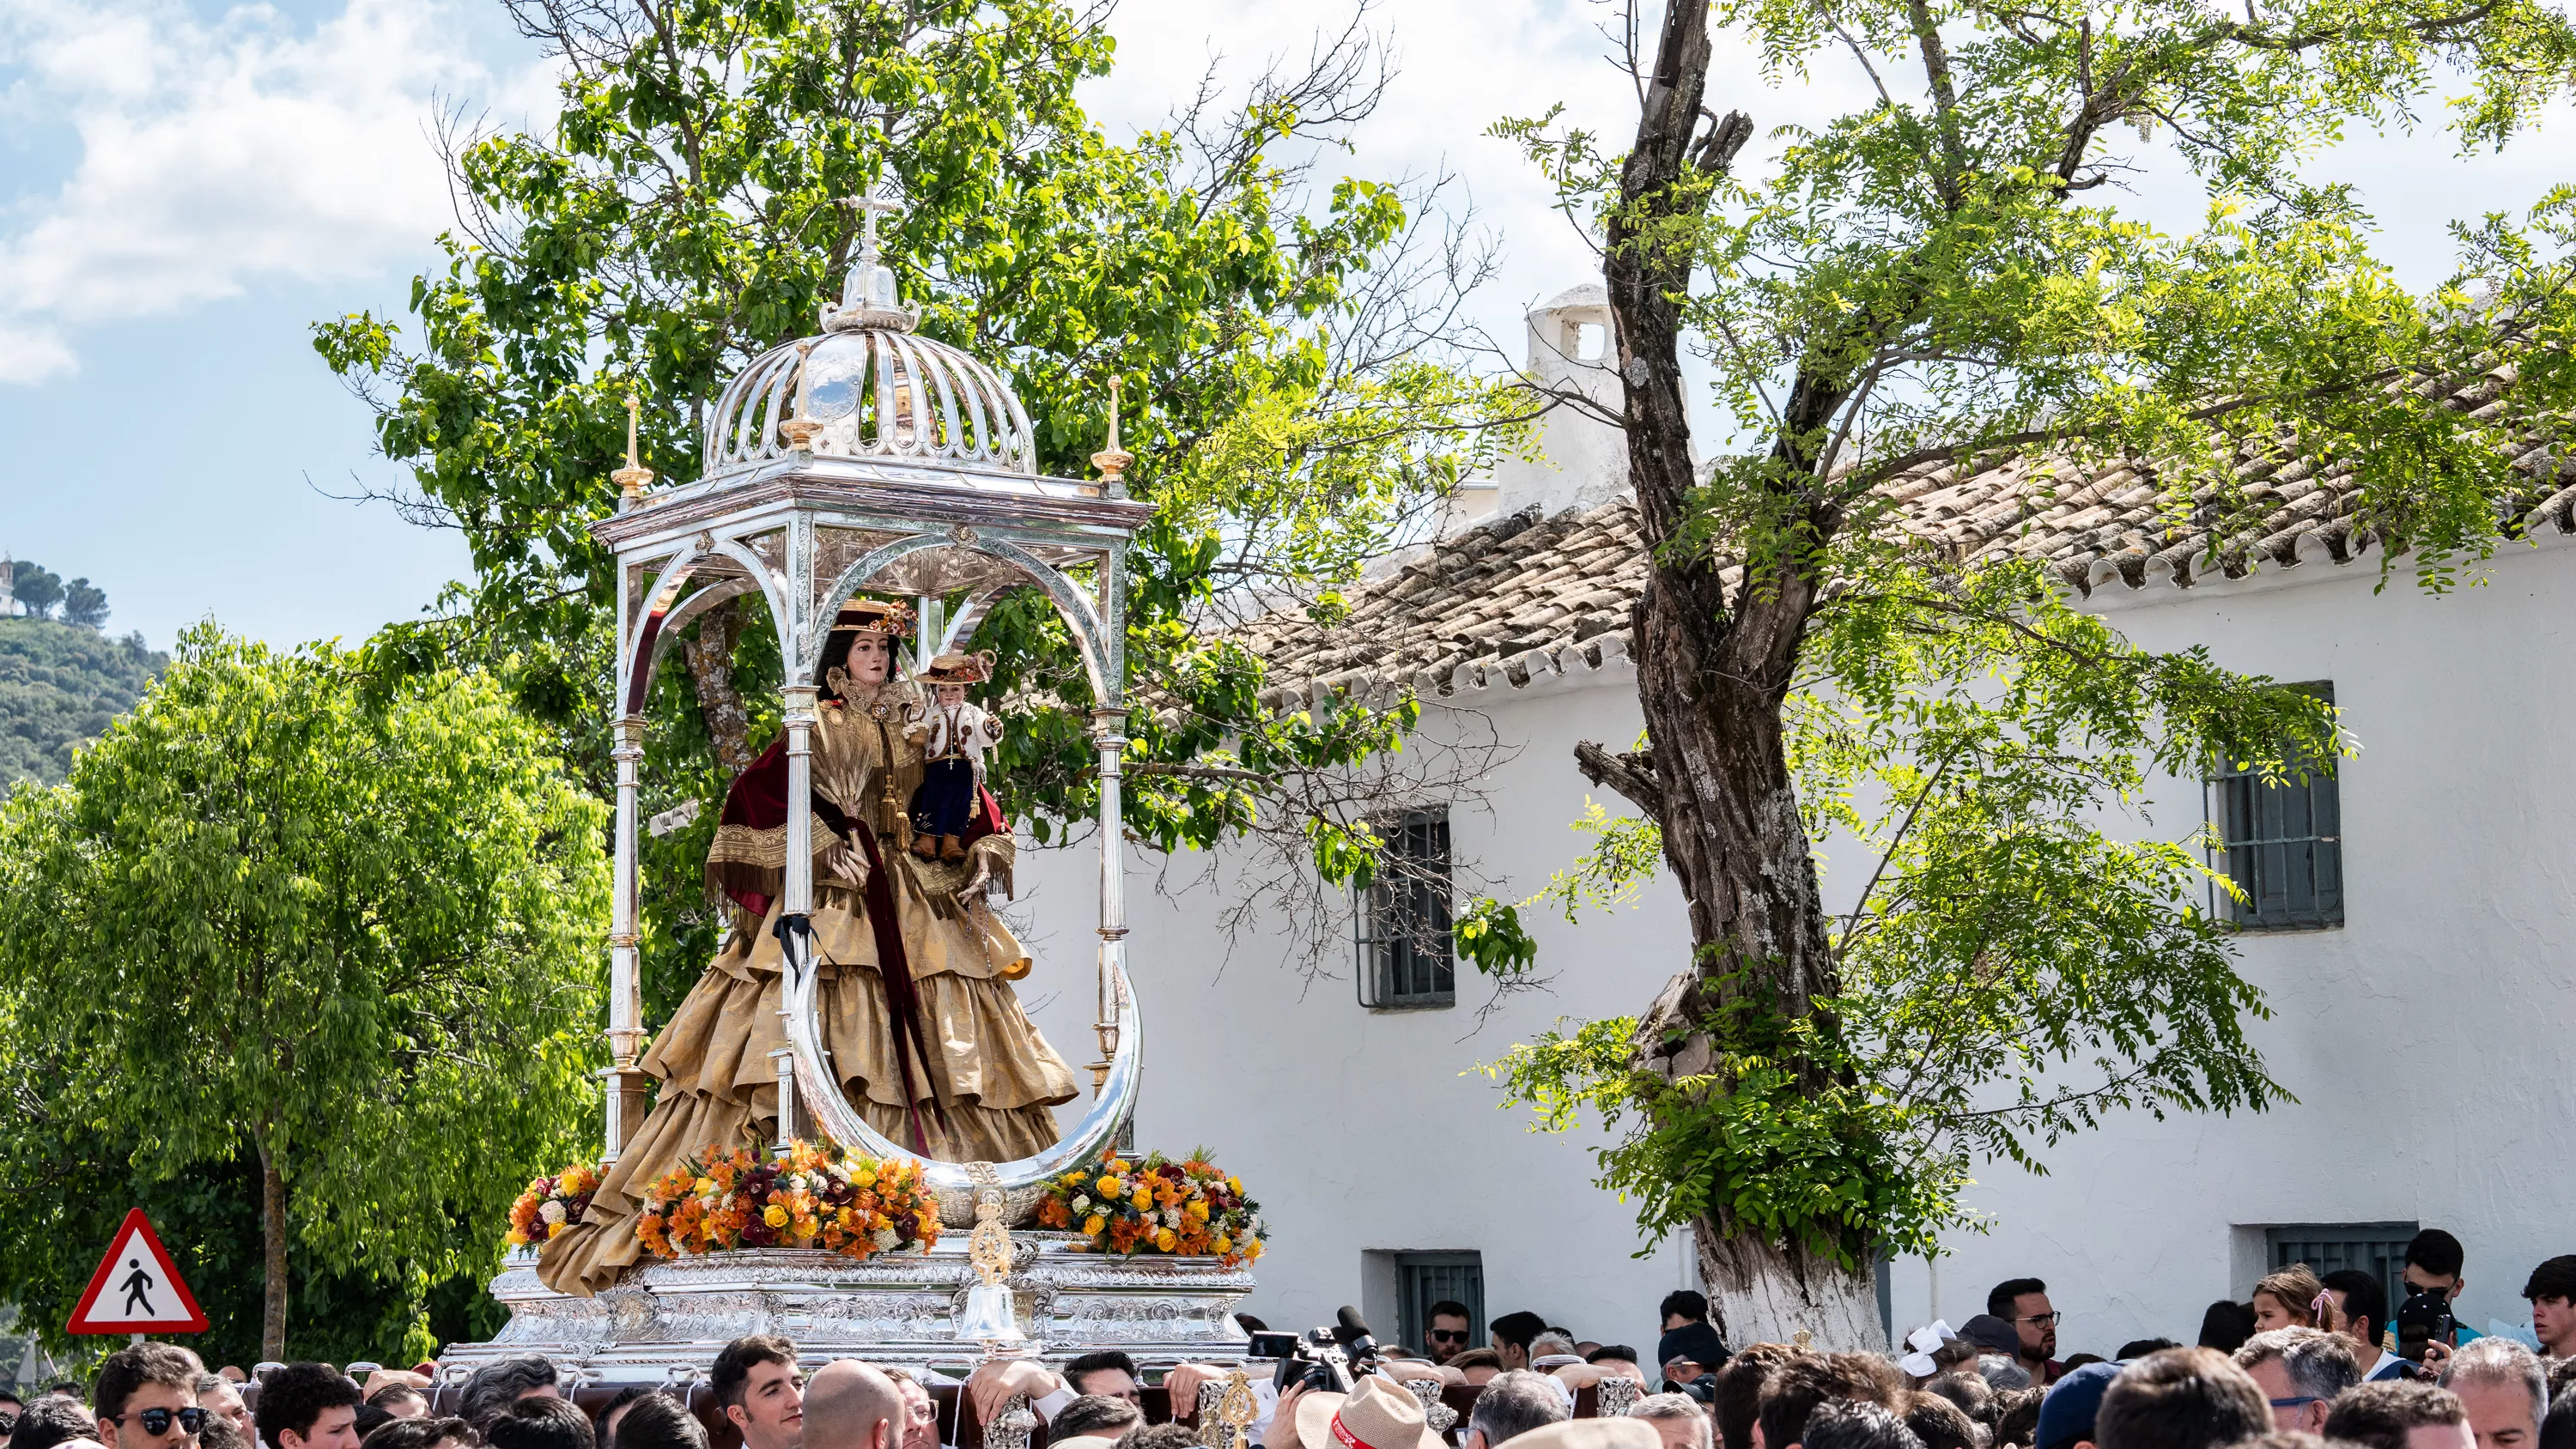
<point x="1225" y="1245"/>
<point x="1092" y="1225"/>
<point x="1234" y="1185"/>
<point x="1198" y="1208"/>
<point x="1165" y="1239"/>
<point x="1110" y="1186"/>
<point x="703" y="1186"/>
<point x="1144" y="1199"/>
<point x="776" y="1216"/>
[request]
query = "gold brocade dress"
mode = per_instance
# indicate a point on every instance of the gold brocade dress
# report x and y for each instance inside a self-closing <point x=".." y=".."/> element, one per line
<point x="991" y="1078"/>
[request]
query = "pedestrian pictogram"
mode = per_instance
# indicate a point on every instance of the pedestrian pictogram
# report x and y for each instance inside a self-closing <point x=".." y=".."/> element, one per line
<point x="137" y="1289"/>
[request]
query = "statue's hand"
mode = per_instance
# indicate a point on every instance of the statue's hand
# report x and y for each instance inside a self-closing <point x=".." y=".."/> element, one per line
<point x="850" y="864"/>
<point x="979" y="874"/>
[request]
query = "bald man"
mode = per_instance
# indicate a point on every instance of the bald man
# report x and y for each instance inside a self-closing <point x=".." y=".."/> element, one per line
<point x="849" y="1405"/>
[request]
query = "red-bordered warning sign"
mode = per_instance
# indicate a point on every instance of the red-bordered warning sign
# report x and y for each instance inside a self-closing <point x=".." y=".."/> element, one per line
<point x="137" y="1289"/>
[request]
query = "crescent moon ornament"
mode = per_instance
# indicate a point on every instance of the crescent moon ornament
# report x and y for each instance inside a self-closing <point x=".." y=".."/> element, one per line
<point x="1022" y="1180"/>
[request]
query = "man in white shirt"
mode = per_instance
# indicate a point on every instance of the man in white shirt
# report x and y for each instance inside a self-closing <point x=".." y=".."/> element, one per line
<point x="2361" y="1314"/>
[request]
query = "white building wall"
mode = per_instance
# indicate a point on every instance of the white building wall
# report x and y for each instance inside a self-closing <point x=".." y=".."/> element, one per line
<point x="1363" y="1131"/>
<point x="2426" y="1038"/>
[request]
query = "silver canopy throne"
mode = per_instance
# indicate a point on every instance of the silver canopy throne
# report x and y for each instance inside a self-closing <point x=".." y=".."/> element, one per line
<point x="869" y="458"/>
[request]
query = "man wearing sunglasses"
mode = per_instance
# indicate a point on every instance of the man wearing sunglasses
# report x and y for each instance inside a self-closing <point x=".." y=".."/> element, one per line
<point x="147" y="1398"/>
<point x="1446" y="1338"/>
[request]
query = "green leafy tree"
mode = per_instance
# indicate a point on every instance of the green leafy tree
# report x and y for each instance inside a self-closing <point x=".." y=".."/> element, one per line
<point x="85" y="604"/>
<point x="345" y="938"/>
<point x="1942" y="278"/>
<point x="1291" y="394"/>
<point x="36" y="588"/>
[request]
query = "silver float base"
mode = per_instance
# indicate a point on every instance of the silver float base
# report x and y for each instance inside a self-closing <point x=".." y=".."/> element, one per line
<point x="666" y="1318"/>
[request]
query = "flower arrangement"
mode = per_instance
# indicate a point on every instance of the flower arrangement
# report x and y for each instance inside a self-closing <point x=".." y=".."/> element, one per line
<point x="551" y="1204"/>
<point x="1156" y="1205"/>
<point x="817" y="1196"/>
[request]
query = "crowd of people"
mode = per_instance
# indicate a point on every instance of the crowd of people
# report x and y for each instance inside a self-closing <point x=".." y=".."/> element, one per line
<point x="2306" y="1362"/>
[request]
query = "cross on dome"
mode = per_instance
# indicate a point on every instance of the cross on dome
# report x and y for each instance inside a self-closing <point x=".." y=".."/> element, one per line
<point x="868" y="297"/>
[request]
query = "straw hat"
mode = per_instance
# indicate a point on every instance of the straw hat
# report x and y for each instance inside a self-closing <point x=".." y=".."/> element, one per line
<point x="1619" y="1433"/>
<point x="1375" y="1414"/>
<point x="957" y="669"/>
<point x="873" y="616"/>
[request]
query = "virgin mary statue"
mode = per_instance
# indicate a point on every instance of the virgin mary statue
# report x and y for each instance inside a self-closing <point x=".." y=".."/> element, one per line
<point x="914" y="993"/>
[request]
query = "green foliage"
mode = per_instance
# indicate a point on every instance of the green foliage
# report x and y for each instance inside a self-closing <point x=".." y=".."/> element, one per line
<point x="1489" y="933"/>
<point x="59" y="687"/>
<point x="1290" y="416"/>
<point x="1626" y="851"/>
<point x="35" y="587"/>
<point x="347" y="933"/>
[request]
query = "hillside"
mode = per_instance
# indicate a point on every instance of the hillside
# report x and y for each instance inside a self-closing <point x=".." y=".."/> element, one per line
<point x="60" y="684"/>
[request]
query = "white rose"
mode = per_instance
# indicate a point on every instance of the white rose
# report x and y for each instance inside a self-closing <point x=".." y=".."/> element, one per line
<point x="551" y="1210"/>
<point x="1081" y="1204"/>
<point x="886" y="1239"/>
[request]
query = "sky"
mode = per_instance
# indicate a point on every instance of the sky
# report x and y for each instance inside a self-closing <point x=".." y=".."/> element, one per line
<point x="186" y="186"/>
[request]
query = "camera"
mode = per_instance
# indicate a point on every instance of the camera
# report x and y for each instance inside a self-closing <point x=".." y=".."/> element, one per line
<point x="1326" y="1359"/>
<point x="2424" y="1318"/>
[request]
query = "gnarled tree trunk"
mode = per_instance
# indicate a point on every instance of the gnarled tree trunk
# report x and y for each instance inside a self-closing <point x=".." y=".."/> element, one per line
<point x="709" y="650"/>
<point x="1713" y="672"/>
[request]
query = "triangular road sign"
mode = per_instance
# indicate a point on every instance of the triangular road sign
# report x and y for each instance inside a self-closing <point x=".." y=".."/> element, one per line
<point x="137" y="1289"/>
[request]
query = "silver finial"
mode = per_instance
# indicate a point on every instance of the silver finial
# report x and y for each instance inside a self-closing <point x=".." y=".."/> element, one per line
<point x="868" y="297"/>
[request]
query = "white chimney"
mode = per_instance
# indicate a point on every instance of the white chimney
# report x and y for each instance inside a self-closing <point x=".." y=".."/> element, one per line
<point x="1582" y="461"/>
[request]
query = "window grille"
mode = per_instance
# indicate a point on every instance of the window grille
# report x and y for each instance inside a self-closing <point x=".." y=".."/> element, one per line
<point x="2282" y="844"/>
<point x="2378" y="1249"/>
<point x="1423" y="1279"/>
<point x="1403" y="920"/>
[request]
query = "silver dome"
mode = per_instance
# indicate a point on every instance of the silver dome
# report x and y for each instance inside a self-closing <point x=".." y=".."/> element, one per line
<point x="873" y="392"/>
<point x="870" y="389"/>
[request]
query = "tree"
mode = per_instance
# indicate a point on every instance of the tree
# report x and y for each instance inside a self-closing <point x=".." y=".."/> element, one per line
<point x="1291" y="395"/>
<point x="1939" y="280"/>
<point x="345" y="938"/>
<point x="59" y="688"/>
<point x="36" y="588"/>
<point x="84" y="604"/>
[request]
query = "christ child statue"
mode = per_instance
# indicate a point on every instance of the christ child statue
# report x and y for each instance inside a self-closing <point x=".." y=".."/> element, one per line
<point x="954" y="736"/>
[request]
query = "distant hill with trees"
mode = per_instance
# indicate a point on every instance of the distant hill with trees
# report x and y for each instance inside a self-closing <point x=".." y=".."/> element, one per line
<point x="60" y="684"/>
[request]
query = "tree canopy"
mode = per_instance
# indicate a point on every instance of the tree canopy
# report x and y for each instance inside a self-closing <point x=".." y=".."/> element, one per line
<point x="1947" y="276"/>
<point x="339" y="940"/>
<point x="1284" y="340"/>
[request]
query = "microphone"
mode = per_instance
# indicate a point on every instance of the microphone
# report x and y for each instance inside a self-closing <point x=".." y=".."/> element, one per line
<point x="1351" y="1329"/>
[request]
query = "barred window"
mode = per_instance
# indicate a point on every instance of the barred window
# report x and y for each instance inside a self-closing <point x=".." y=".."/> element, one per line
<point x="1403" y="920"/>
<point x="2378" y="1249"/>
<point x="2282" y="844"/>
<point x="1427" y="1278"/>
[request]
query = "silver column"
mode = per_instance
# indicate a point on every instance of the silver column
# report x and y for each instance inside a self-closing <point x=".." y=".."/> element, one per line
<point x="624" y="1097"/>
<point x="1106" y="734"/>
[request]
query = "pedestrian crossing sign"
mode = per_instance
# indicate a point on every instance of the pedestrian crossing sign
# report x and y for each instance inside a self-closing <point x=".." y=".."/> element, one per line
<point x="137" y="1289"/>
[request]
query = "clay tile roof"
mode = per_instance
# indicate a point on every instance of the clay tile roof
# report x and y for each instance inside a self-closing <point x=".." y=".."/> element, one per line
<point x="1523" y="598"/>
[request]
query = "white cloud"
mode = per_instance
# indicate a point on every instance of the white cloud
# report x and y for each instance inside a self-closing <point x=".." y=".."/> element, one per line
<point x="212" y="154"/>
<point x="1460" y="66"/>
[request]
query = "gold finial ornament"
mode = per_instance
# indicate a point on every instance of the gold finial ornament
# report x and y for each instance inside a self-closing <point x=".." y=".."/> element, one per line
<point x="632" y="478"/>
<point x="1113" y="461"/>
<point x="989" y="1248"/>
<point x="1237" y="1410"/>
<point x="1805" y="1337"/>
<point x="799" y="430"/>
<point x="991" y="1318"/>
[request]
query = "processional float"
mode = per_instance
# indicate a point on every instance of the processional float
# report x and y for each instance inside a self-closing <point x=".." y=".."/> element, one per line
<point x="869" y="460"/>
